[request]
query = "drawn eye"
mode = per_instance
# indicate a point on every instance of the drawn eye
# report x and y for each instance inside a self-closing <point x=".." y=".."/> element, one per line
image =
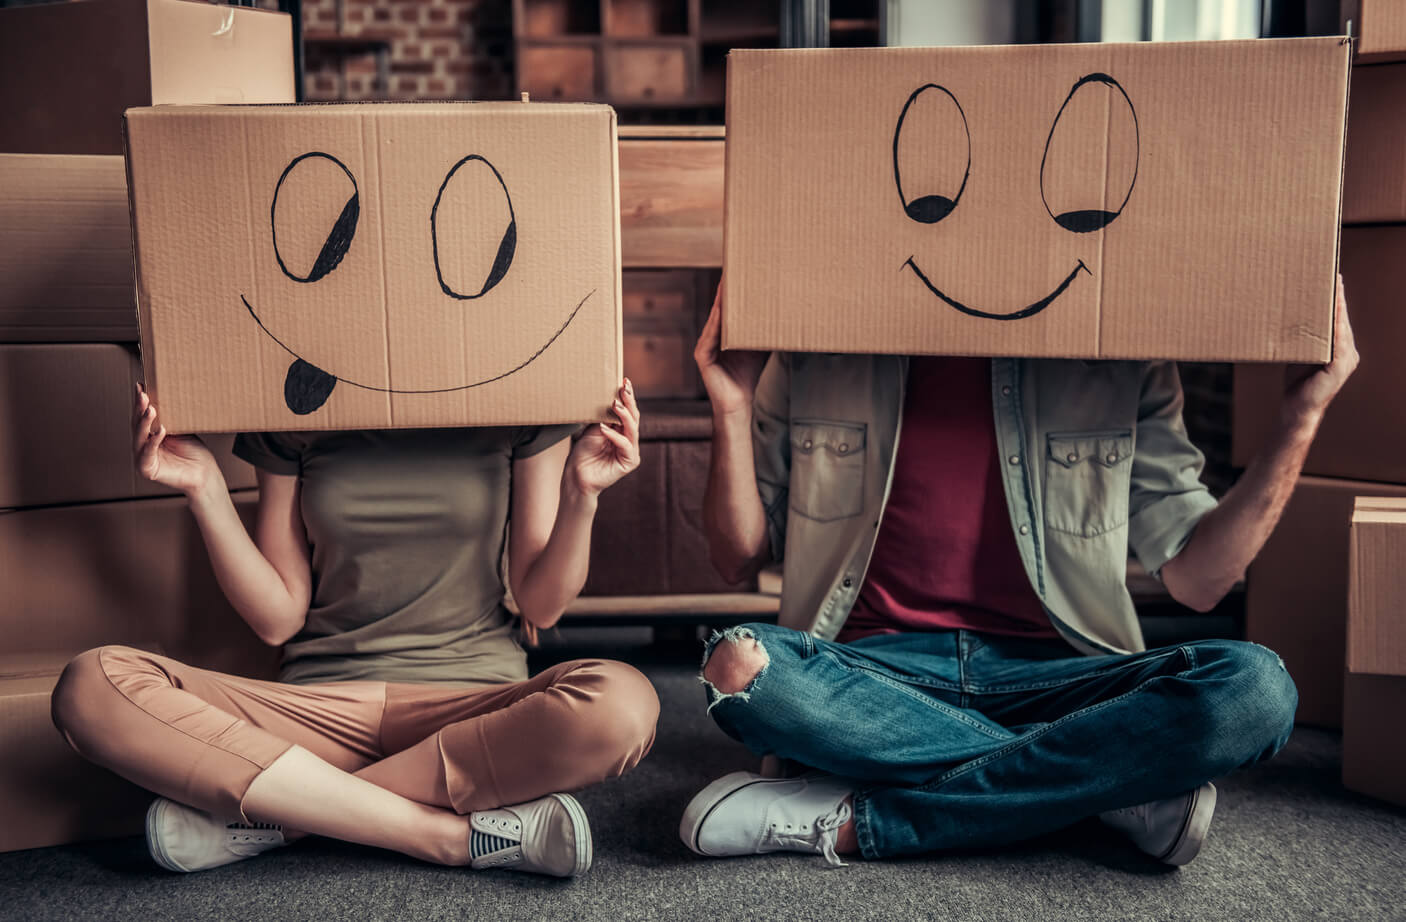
<point x="1091" y="158"/>
<point x="473" y="229"/>
<point x="315" y="209"/>
<point x="932" y="154"/>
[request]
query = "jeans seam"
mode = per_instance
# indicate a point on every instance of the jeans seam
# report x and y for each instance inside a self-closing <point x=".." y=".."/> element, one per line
<point x="1055" y="683"/>
<point x="953" y="687"/>
<point x="936" y="705"/>
<point x="863" y="828"/>
<point x="1030" y="737"/>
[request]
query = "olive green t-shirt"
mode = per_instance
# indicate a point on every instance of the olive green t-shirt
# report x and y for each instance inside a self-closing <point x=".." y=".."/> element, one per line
<point x="406" y="530"/>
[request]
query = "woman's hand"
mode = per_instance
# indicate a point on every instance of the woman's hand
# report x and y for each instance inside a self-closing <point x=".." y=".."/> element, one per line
<point x="181" y="462"/>
<point x="607" y="451"/>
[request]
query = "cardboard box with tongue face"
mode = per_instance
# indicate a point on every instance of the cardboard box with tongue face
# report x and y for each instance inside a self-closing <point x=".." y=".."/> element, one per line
<point x="376" y="266"/>
<point x="1144" y="201"/>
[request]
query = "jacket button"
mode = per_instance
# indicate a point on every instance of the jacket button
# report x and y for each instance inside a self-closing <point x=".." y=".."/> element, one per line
<point x="1072" y="457"/>
<point x="1014" y="459"/>
<point x="1005" y="390"/>
<point x="844" y="447"/>
<point x="806" y="444"/>
<point x="847" y="582"/>
<point x="1025" y="529"/>
<point x="1112" y="457"/>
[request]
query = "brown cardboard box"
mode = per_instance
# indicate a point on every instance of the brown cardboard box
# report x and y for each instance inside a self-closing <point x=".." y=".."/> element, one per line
<point x="69" y="70"/>
<point x="1379" y="27"/>
<point x="49" y="794"/>
<point x="1374" y="168"/>
<point x="1363" y="434"/>
<point x="80" y="576"/>
<point x="954" y="200"/>
<point x="1376" y="622"/>
<point x="436" y="264"/>
<point x="65" y="250"/>
<point x="66" y="427"/>
<point x="1298" y="588"/>
<point x="1374" y="748"/>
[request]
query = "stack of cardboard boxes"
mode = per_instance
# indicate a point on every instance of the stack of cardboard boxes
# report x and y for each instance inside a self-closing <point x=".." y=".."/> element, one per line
<point x="90" y="552"/>
<point x="1298" y="588"/>
<point x="1374" y="751"/>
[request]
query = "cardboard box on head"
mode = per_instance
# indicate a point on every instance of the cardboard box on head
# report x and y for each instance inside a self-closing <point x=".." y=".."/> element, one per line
<point x="1083" y="201"/>
<point x="377" y="265"/>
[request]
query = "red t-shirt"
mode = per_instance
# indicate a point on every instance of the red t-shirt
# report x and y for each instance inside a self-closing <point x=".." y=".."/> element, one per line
<point x="946" y="556"/>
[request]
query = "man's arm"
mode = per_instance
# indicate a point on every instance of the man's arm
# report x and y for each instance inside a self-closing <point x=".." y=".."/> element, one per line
<point x="1231" y="535"/>
<point x="734" y="517"/>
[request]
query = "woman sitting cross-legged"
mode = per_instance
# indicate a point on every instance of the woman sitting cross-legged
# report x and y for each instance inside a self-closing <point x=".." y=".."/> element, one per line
<point x="404" y="717"/>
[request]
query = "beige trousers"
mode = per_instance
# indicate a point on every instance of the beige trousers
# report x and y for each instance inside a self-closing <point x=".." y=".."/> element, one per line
<point x="201" y="737"/>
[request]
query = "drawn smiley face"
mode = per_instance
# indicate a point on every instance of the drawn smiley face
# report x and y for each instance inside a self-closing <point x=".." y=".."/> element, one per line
<point x="315" y="186"/>
<point x="1071" y="207"/>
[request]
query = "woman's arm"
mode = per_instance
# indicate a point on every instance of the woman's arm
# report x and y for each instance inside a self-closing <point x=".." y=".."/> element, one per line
<point x="554" y="496"/>
<point x="268" y="583"/>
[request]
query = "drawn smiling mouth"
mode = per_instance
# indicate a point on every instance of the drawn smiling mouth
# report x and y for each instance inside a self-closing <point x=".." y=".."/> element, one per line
<point x="304" y="375"/>
<point x="1030" y="311"/>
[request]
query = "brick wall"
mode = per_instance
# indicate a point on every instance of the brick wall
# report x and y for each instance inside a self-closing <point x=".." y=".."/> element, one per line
<point x="440" y="49"/>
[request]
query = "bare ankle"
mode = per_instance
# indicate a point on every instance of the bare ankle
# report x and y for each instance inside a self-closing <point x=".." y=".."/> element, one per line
<point x="846" y="837"/>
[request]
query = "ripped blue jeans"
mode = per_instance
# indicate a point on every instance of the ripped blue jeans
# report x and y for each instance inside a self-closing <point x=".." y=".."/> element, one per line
<point x="959" y="740"/>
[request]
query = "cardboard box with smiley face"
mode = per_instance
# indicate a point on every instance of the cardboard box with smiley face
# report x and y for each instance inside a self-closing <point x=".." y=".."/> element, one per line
<point x="376" y="265"/>
<point x="1143" y="201"/>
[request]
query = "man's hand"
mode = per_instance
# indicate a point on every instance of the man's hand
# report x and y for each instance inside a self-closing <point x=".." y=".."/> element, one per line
<point x="1308" y="392"/>
<point x="729" y="377"/>
<point x="1231" y="535"/>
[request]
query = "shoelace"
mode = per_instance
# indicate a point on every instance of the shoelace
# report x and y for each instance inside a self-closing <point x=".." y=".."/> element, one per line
<point x="823" y="839"/>
<point x="256" y="834"/>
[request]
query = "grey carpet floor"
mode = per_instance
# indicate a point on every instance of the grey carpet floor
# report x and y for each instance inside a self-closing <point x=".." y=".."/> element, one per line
<point x="1288" y="842"/>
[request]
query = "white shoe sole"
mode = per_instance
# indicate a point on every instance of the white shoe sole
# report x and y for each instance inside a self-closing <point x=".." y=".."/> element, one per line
<point x="1201" y="806"/>
<point x="703" y="803"/>
<point x="582" y="829"/>
<point x="158" y="854"/>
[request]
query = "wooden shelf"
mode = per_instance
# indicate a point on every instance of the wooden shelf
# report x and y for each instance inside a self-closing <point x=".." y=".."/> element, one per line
<point x="653" y="56"/>
<point x="565" y="39"/>
<point x="712" y="603"/>
<point x="672" y="132"/>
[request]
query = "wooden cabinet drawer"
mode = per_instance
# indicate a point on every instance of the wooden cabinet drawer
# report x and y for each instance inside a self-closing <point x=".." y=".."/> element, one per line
<point x="663" y="298"/>
<point x="565" y="72"/>
<point x="646" y="73"/>
<point x="660" y="363"/>
<point x="671" y="200"/>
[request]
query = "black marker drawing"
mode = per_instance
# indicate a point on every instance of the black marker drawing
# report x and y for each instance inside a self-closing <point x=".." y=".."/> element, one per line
<point x="1087" y="220"/>
<point x="931" y="208"/>
<point x="307" y="387"/>
<point x="338" y="240"/>
<point x="506" y="248"/>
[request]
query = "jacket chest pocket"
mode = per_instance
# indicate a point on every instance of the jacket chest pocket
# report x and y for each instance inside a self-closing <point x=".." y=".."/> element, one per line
<point x="827" y="469"/>
<point x="1088" y="476"/>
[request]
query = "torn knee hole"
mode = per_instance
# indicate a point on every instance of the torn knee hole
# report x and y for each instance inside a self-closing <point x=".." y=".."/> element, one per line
<point x="734" y="661"/>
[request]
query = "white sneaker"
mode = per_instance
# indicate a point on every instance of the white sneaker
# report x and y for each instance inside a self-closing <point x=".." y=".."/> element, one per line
<point x="182" y="838"/>
<point x="1171" y="830"/>
<point x="747" y="814"/>
<point x="546" y="836"/>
